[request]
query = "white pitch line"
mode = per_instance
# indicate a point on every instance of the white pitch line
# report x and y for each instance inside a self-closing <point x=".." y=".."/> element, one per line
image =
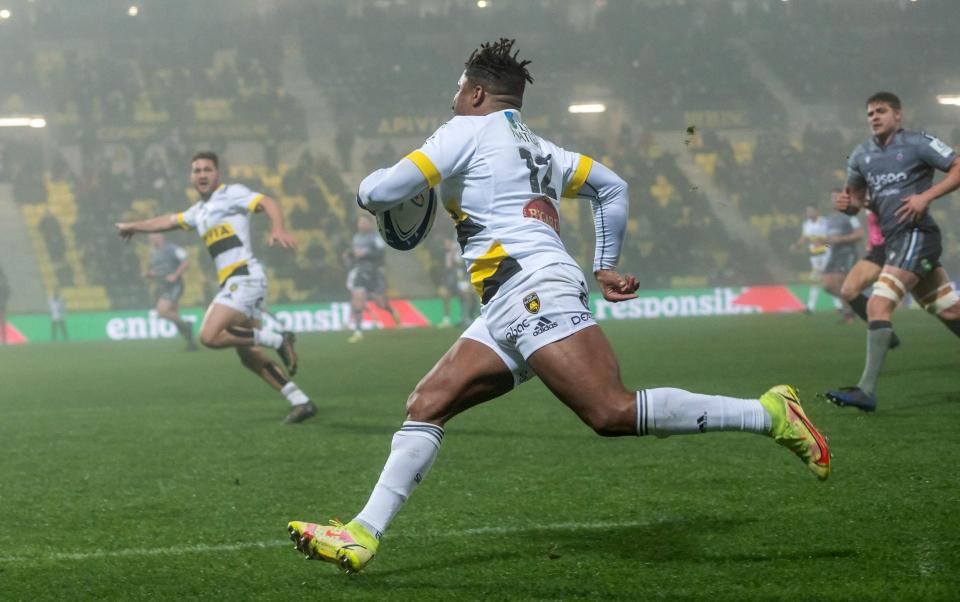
<point x="234" y="547"/>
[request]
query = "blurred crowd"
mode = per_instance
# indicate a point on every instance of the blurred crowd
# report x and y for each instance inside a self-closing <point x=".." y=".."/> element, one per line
<point x="129" y="100"/>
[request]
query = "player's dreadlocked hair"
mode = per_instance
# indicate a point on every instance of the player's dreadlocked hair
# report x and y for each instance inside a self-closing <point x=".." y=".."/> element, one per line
<point x="497" y="70"/>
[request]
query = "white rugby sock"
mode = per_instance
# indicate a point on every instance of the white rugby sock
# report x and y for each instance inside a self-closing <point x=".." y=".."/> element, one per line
<point x="412" y="453"/>
<point x="294" y="395"/>
<point x="812" y="298"/>
<point x="269" y="322"/>
<point x="267" y="338"/>
<point x="665" y="411"/>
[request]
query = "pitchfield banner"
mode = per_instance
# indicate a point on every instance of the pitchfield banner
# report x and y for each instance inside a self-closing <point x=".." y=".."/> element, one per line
<point x="418" y="313"/>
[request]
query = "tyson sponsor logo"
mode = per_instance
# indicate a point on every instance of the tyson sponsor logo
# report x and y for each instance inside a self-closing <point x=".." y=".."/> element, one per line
<point x="882" y="179"/>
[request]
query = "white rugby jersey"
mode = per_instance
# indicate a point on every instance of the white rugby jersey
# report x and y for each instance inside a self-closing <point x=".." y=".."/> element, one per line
<point x="815" y="230"/>
<point x="502" y="185"/>
<point x="223" y="222"/>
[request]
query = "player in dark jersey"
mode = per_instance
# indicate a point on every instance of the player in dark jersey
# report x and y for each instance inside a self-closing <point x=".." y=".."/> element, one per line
<point x="897" y="167"/>
<point x="366" y="279"/>
<point x="842" y="234"/>
<point x="167" y="264"/>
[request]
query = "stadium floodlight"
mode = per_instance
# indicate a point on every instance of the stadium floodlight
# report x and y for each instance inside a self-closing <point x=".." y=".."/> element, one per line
<point x="133" y="11"/>
<point x="23" y="122"/>
<point x="949" y="99"/>
<point x="481" y="3"/>
<point x="588" y="107"/>
<point x="5" y="14"/>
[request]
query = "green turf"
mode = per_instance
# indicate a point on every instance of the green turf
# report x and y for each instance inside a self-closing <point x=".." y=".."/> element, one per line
<point x="135" y="471"/>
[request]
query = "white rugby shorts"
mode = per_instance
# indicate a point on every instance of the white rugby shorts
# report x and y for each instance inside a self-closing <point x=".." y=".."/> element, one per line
<point x="545" y="306"/>
<point x="245" y="294"/>
<point x="819" y="262"/>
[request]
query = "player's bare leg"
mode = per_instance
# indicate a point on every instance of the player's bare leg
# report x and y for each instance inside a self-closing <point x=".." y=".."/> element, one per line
<point x="215" y="330"/>
<point x="384" y="303"/>
<point x="169" y="310"/>
<point x="258" y="363"/>
<point x="358" y="301"/>
<point x="936" y="294"/>
<point x="832" y="282"/>
<point x="227" y="327"/>
<point x="596" y="394"/>
<point x="863" y="274"/>
<point x="468" y="374"/>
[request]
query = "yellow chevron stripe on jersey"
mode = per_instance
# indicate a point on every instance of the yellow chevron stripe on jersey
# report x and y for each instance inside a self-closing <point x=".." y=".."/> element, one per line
<point x="181" y="222"/>
<point x="252" y="206"/>
<point x="426" y="167"/>
<point x="579" y="177"/>
<point x="491" y="270"/>
<point x="231" y="269"/>
<point x="486" y="265"/>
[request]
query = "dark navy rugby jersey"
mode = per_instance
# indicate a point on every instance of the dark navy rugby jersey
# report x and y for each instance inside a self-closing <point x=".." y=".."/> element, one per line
<point x="892" y="173"/>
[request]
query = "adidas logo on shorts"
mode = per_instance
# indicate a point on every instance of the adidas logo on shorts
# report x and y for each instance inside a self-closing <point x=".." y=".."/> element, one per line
<point x="543" y="325"/>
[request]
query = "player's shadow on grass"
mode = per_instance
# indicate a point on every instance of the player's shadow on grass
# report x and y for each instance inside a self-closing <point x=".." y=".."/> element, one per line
<point x="912" y="371"/>
<point x="662" y="541"/>
<point x="672" y="541"/>
<point x="908" y="408"/>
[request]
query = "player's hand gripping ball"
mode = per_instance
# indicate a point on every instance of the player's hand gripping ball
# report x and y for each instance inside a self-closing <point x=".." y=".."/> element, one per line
<point x="403" y="226"/>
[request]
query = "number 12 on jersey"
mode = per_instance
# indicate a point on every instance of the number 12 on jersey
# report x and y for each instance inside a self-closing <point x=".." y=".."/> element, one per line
<point x="534" y="164"/>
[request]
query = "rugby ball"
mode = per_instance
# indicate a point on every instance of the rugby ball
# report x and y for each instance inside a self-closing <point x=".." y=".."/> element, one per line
<point x="403" y="226"/>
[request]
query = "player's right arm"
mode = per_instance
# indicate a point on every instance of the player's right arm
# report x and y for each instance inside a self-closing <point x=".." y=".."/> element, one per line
<point x="444" y="154"/>
<point x="853" y="198"/>
<point x="160" y="223"/>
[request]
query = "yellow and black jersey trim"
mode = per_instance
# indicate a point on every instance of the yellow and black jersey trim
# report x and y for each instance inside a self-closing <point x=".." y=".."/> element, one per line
<point x="181" y="221"/>
<point x="466" y="227"/>
<point x="426" y="167"/>
<point x="579" y="177"/>
<point x="255" y="202"/>
<point x="491" y="270"/>
<point x="234" y="269"/>
<point x="220" y="238"/>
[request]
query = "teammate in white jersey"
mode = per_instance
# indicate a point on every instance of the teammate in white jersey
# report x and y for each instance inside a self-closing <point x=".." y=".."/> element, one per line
<point x="813" y="237"/>
<point x="502" y="185"/>
<point x="235" y="317"/>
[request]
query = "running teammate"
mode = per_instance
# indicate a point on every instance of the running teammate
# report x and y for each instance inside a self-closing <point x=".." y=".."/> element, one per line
<point x="897" y="167"/>
<point x="813" y="238"/>
<point x="167" y="264"/>
<point x="842" y="233"/>
<point x="222" y="219"/>
<point x="366" y="280"/>
<point x="865" y="272"/>
<point x="502" y="184"/>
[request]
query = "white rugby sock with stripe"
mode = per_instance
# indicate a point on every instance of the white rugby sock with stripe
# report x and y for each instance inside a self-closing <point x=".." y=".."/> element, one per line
<point x="412" y="453"/>
<point x="267" y="338"/>
<point x="665" y="411"/>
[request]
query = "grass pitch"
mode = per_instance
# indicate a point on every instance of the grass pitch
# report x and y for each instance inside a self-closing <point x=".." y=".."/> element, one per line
<point x="136" y="471"/>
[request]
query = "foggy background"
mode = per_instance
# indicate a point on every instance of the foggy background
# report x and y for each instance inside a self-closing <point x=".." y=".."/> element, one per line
<point x="727" y="118"/>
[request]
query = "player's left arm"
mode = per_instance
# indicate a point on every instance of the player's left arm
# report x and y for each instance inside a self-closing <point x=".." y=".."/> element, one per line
<point x="278" y="233"/>
<point x="944" y="158"/>
<point x="609" y="199"/>
<point x="184" y="263"/>
<point x="854" y="235"/>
